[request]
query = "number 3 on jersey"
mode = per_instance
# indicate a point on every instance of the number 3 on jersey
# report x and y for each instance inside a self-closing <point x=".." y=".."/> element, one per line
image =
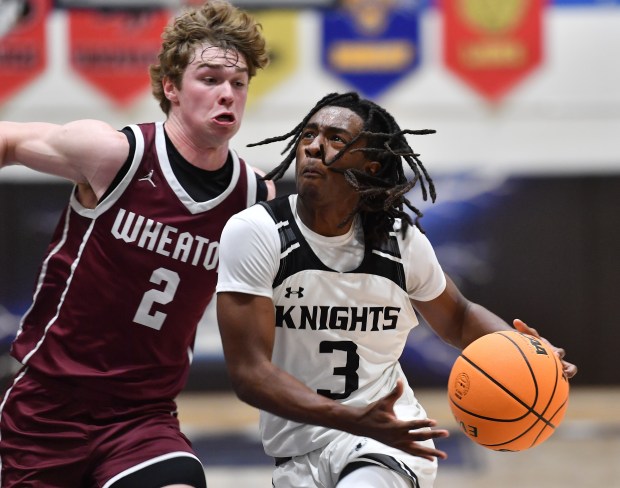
<point x="146" y="313"/>
<point x="349" y="370"/>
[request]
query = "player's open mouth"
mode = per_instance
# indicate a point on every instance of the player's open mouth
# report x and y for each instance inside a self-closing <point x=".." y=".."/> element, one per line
<point x="225" y="118"/>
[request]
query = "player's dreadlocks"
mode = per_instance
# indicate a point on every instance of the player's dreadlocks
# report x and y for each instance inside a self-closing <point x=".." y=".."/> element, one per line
<point x="382" y="195"/>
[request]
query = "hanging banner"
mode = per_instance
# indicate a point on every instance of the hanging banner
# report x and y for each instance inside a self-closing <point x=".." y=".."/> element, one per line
<point x="492" y="44"/>
<point x="371" y="44"/>
<point x="113" y="50"/>
<point x="280" y="28"/>
<point x="23" y="55"/>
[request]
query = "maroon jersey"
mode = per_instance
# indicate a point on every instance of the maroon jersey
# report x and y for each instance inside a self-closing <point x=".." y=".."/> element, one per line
<point x="123" y="286"/>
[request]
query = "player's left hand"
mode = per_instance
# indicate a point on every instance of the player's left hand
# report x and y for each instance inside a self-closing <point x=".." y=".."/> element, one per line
<point x="569" y="369"/>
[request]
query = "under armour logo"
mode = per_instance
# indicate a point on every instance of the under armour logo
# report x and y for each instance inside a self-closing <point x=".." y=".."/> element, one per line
<point x="359" y="445"/>
<point x="290" y="291"/>
<point x="148" y="178"/>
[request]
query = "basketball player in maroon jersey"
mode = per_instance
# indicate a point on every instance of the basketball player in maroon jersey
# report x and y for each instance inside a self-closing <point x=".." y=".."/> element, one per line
<point x="107" y="343"/>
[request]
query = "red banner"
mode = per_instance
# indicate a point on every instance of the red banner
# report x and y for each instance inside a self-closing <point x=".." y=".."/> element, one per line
<point x="23" y="54"/>
<point x="492" y="44"/>
<point x="113" y="50"/>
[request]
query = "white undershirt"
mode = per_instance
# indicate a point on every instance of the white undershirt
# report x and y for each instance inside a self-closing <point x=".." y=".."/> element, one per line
<point x="340" y="253"/>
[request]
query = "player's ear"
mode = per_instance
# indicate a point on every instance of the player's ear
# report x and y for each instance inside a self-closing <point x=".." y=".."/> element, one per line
<point x="170" y="89"/>
<point x="373" y="167"/>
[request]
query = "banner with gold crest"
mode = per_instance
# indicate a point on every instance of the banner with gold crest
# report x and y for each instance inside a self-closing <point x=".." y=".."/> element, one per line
<point x="281" y="30"/>
<point x="371" y="44"/>
<point x="492" y="44"/>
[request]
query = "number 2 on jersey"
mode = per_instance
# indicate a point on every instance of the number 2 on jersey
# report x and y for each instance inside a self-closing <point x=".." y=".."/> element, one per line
<point x="349" y="370"/>
<point x="146" y="315"/>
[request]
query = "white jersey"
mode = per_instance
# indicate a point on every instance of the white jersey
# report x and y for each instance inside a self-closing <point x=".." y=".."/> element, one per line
<point x="343" y="313"/>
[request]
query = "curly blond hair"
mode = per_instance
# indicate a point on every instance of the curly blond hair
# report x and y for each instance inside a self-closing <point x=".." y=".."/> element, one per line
<point x="217" y="23"/>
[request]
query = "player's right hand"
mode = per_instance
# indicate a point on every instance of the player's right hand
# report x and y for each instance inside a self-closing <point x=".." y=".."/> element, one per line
<point x="379" y="421"/>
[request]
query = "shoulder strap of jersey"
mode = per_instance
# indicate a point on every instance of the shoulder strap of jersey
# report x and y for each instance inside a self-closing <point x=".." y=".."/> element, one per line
<point x="255" y="189"/>
<point x="385" y="260"/>
<point x="279" y="210"/>
<point x="295" y="253"/>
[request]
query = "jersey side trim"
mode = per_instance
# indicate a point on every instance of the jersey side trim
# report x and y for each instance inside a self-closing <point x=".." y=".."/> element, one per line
<point x="74" y="266"/>
<point x="43" y="271"/>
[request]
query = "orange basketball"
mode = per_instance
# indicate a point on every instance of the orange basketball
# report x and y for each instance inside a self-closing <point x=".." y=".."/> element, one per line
<point x="507" y="392"/>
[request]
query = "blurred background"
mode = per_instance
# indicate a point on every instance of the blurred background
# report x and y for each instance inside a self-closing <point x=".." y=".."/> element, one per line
<point x="525" y="98"/>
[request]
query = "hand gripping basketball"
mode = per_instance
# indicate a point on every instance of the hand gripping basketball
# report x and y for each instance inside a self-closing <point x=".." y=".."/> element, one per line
<point x="507" y="391"/>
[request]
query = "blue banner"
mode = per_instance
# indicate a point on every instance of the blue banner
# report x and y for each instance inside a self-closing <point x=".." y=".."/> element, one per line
<point x="371" y="48"/>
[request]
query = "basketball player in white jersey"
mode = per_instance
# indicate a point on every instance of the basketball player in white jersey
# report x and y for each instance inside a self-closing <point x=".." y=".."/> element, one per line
<point x="317" y="298"/>
<point x="107" y="343"/>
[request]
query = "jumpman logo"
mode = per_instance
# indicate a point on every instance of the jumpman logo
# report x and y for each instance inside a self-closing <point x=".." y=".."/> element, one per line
<point x="148" y="178"/>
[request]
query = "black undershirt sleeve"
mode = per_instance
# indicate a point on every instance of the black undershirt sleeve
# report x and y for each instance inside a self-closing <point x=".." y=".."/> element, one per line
<point x="131" y="138"/>
<point x="261" y="189"/>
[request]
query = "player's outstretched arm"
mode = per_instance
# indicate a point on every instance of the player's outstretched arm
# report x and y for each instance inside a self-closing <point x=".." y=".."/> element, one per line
<point x="85" y="151"/>
<point x="459" y="321"/>
<point x="247" y="331"/>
